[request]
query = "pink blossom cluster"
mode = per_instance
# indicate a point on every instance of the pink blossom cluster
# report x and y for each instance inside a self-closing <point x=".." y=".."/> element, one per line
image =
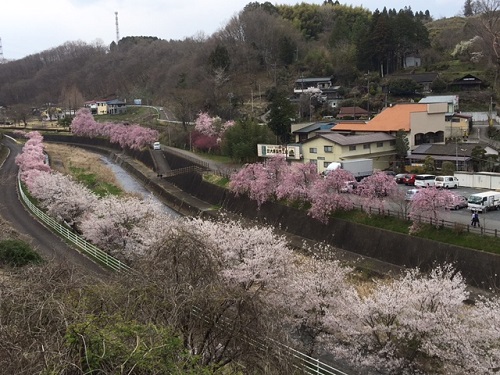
<point x="276" y="179"/>
<point x="127" y="136"/>
<point x="209" y="131"/>
<point x="33" y="155"/>
<point x="431" y="203"/>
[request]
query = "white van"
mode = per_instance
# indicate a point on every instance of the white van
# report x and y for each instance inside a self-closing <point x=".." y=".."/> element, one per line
<point x="156" y="146"/>
<point x="424" y="180"/>
<point x="447" y="182"/>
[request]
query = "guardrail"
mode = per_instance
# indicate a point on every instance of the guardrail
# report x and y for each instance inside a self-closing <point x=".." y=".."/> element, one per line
<point x="301" y="361"/>
<point x="92" y="251"/>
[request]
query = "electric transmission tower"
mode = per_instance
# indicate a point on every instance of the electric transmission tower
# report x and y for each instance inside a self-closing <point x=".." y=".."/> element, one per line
<point x="117" y="31"/>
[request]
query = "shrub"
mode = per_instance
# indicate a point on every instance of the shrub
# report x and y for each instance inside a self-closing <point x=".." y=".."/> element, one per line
<point x="16" y="253"/>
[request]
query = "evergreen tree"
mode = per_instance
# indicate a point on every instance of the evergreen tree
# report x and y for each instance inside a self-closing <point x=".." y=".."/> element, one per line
<point x="402" y="147"/>
<point x="468" y="8"/>
<point x="280" y="115"/>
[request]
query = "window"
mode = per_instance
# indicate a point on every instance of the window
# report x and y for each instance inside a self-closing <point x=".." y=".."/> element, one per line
<point x="366" y="146"/>
<point x="313" y="150"/>
<point x="380" y="144"/>
<point x="328" y="148"/>
<point x="352" y="148"/>
<point x="326" y="164"/>
<point x="313" y="161"/>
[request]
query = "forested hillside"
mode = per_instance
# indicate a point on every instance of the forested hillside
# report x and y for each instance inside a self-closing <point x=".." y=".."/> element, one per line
<point x="231" y="73"/>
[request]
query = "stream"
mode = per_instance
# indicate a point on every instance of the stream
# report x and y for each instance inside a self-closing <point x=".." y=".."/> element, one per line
<point x="131" y="185"/>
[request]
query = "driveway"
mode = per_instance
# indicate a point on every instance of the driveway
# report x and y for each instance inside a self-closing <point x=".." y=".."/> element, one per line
<point x="43" y="240"/>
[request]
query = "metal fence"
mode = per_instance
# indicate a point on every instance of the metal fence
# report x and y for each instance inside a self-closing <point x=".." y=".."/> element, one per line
<point x="460" y="227"/>
<point x="300" y="361"/>
<point x="87" y="248"/>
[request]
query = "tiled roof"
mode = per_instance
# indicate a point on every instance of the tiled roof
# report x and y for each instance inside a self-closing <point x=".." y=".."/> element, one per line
<point x="346" y="140"/>
<point x="390" y="119"/>
<point x="464" y="149"/>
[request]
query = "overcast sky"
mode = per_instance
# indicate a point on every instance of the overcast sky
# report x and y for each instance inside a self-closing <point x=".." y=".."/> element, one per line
<point x="31" y="26"/>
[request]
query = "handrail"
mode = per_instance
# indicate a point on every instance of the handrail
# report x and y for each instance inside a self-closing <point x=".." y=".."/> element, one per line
<point x="86" y="247"/>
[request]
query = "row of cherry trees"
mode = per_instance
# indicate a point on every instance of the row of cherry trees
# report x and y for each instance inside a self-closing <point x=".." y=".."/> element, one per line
<point x="127" y="136"/>
<point x="415" y="324"/>
<point x="276" y="179"/>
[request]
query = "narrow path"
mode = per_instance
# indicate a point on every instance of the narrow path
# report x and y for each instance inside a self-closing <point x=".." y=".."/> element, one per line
<point x="43" y="240"/>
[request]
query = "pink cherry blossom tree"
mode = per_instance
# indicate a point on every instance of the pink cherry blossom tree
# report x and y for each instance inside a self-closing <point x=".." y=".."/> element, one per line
<point x="377" y="188"/>
<point x="431" y="203"/>
<point x="209" y="131"/>
<point x="63" y="198"/>
<point x="250" y="256"/>
<point x="260" y="180"/>
<point x="326" y="195"/>
<point x="398" y="326"/>
<point x="33" y="155"/>
<point x="297" y="181"/>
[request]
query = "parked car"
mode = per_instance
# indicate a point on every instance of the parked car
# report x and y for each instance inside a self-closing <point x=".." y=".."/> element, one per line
<point x="410" y="194"/>
<point x="399" y="178"/>
<point x="424" y="180"/>
<point x="458" y="202"/>
<point x="156" y="146"/>
<point x="409" y="179"/>
<point x="349" y="187"/>
<point x="447" y="182"/>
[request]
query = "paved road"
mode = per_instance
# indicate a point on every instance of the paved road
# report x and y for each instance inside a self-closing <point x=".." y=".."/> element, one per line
<point x="48" y="244"/>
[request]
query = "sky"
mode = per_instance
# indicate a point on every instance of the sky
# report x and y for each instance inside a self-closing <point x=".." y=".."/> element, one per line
<point x="31" y="26"/>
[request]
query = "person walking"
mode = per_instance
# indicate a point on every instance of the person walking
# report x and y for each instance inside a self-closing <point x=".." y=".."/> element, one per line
<point x="476" y="219"/>
<point x="473" y="219"/>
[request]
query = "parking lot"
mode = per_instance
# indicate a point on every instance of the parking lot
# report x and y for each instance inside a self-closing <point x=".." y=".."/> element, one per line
<point x="490" y="219"/>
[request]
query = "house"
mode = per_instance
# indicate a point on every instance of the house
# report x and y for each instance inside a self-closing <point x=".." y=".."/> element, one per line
<point x="97" y="107"/>
<point x="412" y="61"/>
<point x="458" y="153"/>
<point x="466" y="83"/>
<point x="319" y="86"/>
<point x="116" y="107"/>
<point x="353" y="113"/>
<point x="329" y="147"/>
<point x="303" y="84"/>
<point x="423" y="79"/>
<point x="423" y="123"/>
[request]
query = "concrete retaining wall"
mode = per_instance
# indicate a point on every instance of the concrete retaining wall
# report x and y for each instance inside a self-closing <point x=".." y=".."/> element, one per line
<point x="479" y="268"/>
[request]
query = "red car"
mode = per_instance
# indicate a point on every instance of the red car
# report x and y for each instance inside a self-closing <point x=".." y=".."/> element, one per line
<point x="409" y="179"/>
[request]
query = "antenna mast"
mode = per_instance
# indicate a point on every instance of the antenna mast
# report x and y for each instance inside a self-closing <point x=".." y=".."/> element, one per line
<point x="117" y="32"/>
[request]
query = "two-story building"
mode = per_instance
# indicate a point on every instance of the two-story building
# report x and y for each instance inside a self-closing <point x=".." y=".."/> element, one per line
<point x="328" y="147"/>
<point x="422" y="123"/>
<point x="458" y="125"/>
